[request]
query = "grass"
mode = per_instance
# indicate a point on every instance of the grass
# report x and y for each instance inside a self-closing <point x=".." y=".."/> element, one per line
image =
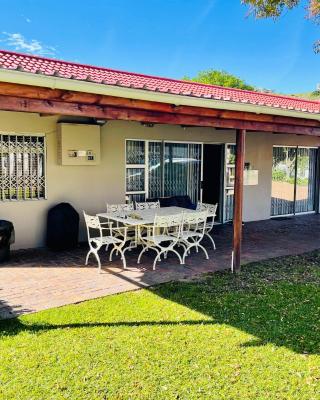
<point x="255" y="336"/>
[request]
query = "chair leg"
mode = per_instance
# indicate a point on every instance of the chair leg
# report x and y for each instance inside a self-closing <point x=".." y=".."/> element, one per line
<point x="156" y="259"/>
<point x="123" y="258"/>
<point x="145" y="249"/>
<point x="211" y="239"/>
<point x="204" y="250"/>
<point x="87" y="258"/>
<point x="183" y="245"/>
<point x="111" y="253"/>
<point x="180" y="259"/>
<point x="186" y="252"/>
<point x="196" y="245"/>
<point x="186" y="247"/>
<point x="165" y="252"/>
<point x="98" y="259"/>
<point x="140" y="255"/>
<point x="127" y="249"/>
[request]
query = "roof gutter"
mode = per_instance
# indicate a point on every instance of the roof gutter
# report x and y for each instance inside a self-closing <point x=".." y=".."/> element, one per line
<point x="53" y="82"/>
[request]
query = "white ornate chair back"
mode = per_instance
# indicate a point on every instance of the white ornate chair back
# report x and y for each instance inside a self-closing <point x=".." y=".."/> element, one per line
<point x="148" y="205"/>
<point x="119" y="207"/>
<point x="92" y="222"/>
<point x="195" y="221"/>
<point x="212" y="211"/>
<point x="168" y="222"/>
<point x="212" y="208"/>
<point x="126" y="207"/>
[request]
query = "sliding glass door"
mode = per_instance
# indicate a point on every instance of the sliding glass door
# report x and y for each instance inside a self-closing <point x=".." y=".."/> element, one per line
<point x="155" y="169"/>
<point x="293" y="180"/>
<point x="163" y="169"/>
<point x="306" y="180"/>
<point x="230" y="169"/>
<point x="182" y="170"/>
<point x="283" y="180"/>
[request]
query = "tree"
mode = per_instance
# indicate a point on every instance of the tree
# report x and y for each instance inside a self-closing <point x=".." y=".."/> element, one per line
<point x="220" y="78"/>
<point x="275" y="8"/>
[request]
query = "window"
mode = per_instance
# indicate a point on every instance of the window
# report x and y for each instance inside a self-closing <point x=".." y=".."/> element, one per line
<point x="160" y="169"/>
<point x="135" y="170"/>
<point x="22" y="167"/>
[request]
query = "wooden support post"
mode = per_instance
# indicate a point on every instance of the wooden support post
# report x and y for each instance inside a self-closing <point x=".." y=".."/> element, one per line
<point x="317" y="193"/>
<point x="238" y="199"/>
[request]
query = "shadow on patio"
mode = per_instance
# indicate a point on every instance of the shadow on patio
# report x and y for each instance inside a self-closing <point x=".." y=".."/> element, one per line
<point x="40" y="279"/>
<point x="9" y="310"/>
<point x="276" y="301"/>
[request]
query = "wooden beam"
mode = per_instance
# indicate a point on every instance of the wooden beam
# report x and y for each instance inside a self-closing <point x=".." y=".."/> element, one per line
<point x="41" y="93"/>
<point x="238" y="199"/>
<point x="9" y="103"/>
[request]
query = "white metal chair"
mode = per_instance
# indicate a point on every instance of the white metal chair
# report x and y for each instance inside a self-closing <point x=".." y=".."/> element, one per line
<point x="212" y="210"/>
<point x="119" y="209"/>
<point x="158" y="239"/>
<point x="148" y="205"/>
<point x="96" y="242"/>
<point x="193" y="231"/>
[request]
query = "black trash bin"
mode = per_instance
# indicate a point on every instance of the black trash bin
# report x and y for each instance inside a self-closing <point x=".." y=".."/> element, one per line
<point x="6" y="239"/>
<point x="62" y="227"/>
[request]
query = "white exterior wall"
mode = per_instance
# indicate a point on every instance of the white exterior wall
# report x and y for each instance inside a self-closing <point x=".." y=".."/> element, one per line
<point x="89" y="187"/>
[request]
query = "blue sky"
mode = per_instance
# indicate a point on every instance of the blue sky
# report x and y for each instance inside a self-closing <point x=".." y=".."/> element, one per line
<point x="169" y="38"/>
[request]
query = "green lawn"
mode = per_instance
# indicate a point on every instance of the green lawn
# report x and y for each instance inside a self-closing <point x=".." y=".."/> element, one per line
<point x="250" y="337"/>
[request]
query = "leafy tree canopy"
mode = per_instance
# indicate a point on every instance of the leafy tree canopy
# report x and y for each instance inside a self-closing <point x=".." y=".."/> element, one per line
<point x="220" y="78"/>
<point x="274" y="8"/>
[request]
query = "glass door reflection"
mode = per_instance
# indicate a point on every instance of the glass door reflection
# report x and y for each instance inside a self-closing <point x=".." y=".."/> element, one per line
<point x="283" y="180"/>
<point x="305" y="181"/>
<point x="293" y="180"/>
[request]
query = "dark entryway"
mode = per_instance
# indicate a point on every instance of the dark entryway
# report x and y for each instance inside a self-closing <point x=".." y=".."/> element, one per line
<point x="212" y="182"/>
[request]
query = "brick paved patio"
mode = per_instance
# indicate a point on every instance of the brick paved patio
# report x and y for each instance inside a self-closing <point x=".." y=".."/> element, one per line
<point x="39" y="279"/>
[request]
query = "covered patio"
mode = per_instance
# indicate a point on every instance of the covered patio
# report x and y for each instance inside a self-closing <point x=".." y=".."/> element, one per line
<point x="39" y="279"/>
<point x="86" y="98"/>
<point x="65" y="133"/>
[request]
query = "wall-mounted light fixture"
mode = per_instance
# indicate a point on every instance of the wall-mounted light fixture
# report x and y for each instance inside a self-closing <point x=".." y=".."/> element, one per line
<point x="100" y="121"/>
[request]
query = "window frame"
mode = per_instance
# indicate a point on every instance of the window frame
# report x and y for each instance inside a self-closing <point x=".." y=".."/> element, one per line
<point x="24" y="198"/>
<point x="316" y="195"/>
<point x="145" y="166"/>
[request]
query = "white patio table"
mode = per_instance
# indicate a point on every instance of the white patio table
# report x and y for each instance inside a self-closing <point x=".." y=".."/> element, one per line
<point x="137" y="218"/>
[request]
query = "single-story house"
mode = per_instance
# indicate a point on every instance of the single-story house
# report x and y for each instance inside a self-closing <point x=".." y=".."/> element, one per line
<point x="90" y="135"/>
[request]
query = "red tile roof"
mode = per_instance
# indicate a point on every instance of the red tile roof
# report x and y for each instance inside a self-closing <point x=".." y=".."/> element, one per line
<point x="105" y="76"/>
